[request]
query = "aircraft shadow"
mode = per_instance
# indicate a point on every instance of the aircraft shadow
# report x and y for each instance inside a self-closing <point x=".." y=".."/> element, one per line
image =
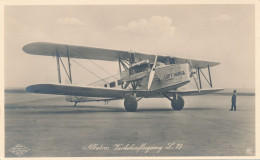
<point x="200" y="109"/>
<point x="153" y="110"/>
<point x="73" y="110"/>
<point x="169" y="109"/>
<point x="79" y="111"/>
<point x="69" y="109"/>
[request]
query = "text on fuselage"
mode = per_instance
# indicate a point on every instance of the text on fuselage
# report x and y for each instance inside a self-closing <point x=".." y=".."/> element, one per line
<point x="170" y="75"/>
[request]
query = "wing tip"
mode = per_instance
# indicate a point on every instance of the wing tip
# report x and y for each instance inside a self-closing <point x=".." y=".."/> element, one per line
<point x="31" y="89"/>
<point x="28" y="47"/>
<point x="217" y="63"/>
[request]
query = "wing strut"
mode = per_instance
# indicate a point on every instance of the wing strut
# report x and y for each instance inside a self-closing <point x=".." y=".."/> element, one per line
<point x="193" y="75"/>
<point x="69" y="65"/>
<point x="58" y="67"/>
<point x="120" y="70"/>
<point x="199" y="77"/>
<point x="209" y="81"/>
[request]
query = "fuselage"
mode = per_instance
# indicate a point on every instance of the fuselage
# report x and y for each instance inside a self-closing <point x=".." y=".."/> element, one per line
<point x="167" y="77"/>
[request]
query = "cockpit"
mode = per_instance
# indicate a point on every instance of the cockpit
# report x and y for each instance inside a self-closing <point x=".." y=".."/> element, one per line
<point x="140" y="67"/>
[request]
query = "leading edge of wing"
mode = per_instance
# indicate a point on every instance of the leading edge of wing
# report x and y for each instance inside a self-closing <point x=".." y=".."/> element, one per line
<point x="196" y="63"/>
<point x="82" y="52"/>
<point x="195" y="92"/>
<point x="87" y="91"/>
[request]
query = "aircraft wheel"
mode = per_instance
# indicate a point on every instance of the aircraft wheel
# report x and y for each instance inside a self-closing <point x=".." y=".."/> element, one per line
<point x="177" y="104"/>
<point x="130" y="103"/>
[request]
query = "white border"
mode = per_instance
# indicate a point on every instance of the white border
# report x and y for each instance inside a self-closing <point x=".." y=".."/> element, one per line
<point x="129" y="2"/>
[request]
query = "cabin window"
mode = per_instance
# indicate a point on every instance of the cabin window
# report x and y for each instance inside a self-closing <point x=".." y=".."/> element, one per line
<point x="172" y="61"/>
<point x="119" y="82"/>
<point x="105" y="85"/>
<point x="112" y="84"/>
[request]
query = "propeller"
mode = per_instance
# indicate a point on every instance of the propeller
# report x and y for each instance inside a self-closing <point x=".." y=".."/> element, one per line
<point x="193" y="74"/>
<point x="152" y="72"/>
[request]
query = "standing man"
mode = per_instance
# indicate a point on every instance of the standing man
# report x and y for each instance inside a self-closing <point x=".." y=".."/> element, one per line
<point x="233" y="100"/>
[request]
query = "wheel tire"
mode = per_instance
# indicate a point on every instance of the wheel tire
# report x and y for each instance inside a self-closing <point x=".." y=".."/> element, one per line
<point x="130" y="103"/>
<point x="177" y="104"/>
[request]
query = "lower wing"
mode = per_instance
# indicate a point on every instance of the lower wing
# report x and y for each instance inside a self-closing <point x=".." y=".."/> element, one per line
<point x="87" y="91"/>
<point x="108" y="93"/>
<point x="188" y="92"/>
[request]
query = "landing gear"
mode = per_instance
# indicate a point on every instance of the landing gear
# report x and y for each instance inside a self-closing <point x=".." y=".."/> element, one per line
<point x="75" y="104"/>
<point x="177" y="103"/>
<point x="130" y="103"/>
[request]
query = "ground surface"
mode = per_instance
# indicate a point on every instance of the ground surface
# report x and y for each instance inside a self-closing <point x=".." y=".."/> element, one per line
<point x="51" y="127"/>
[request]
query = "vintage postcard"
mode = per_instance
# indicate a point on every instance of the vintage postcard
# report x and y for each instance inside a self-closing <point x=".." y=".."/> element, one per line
<point x="129" y="80"/>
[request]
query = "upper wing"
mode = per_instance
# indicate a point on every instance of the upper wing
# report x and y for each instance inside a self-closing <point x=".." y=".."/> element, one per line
<point x="50" y="49"/>
<point x="196" y="63"/>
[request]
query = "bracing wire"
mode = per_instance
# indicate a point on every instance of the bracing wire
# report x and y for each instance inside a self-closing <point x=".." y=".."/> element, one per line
<point x="88" y="70"/>
<point x="102" y="68"/>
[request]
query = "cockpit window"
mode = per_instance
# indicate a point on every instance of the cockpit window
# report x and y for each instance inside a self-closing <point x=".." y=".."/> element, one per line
<point x="140" y="67"/>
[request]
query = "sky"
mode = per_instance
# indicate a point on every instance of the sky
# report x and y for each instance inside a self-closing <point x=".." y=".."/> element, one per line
<point x="222" y="33"/>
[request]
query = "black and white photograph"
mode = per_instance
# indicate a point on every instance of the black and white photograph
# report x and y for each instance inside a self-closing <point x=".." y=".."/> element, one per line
<point x="129" y="80"/>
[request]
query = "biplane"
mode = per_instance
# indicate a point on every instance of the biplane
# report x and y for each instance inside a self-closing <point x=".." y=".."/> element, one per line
<point x="140" y="75"/>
